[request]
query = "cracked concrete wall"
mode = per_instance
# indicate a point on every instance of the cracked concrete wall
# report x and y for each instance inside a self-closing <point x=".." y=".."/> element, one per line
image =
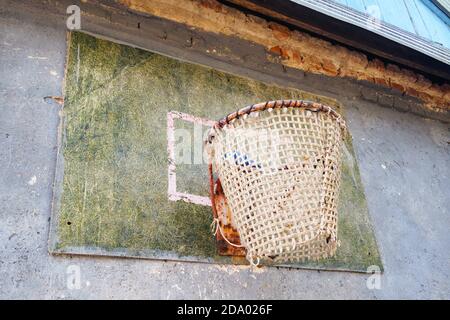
<point x="297" y="49"/>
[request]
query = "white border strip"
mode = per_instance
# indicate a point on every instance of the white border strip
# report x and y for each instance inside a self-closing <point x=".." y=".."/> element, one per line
<point x="172" y="192"/>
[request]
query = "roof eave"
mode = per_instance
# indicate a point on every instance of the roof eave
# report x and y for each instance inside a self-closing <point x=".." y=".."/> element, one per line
<point x="357" y="30"/>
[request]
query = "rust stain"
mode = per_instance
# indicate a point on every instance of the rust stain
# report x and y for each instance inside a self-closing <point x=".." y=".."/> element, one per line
<point x="226" y="223"/>
<point x="58" y="100"/>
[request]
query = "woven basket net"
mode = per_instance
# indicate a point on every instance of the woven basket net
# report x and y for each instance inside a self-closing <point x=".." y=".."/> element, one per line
<point x="279" y="166"/>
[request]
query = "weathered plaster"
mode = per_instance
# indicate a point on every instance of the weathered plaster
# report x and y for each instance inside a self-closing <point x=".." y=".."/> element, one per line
<point x="404" y="163"/>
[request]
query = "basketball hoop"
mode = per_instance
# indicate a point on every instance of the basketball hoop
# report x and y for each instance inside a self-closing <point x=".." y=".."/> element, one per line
<point x="279" y="165"/>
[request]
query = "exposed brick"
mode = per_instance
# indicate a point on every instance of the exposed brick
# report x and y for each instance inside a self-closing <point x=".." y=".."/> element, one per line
<point x="280" y="51"/>
<point x="397" y="85"/>
<point x="392" y="69"/>
<point x="381" y="81"/>
<point x="436" y="91"/>
<point x="376" y="65"/>
<point x="408" y="75"/>
<point x="297" y="58"/>
<point x="312" y="63"/>
<point x="212" y="5"/>
<point x="412" y="92"/>
<point x="280" y="32"/>
<point x="330" y="67"/>
<point x="422" y="82"/>
<point x="446" y="91"/>
<point x="425" y="96"/>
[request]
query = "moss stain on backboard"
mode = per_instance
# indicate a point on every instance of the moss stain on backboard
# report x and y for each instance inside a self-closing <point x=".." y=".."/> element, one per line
<point x="112" y="198"/>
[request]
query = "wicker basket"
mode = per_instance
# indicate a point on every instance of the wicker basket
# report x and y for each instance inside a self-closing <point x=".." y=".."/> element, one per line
<point x="279" y="165"/>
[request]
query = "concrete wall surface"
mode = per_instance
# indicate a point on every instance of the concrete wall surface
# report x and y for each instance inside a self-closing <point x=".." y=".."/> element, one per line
<point x="405" y="167"/>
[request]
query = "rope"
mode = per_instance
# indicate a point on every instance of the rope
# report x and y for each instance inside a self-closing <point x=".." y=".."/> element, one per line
<point x="215" y="226"/>
<point x="253" y="263"/>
